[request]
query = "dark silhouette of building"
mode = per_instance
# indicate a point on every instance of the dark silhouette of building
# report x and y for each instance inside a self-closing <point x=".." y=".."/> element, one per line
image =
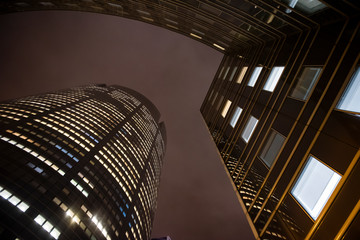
<point x="82" y="163"/>
<point x="283" y="108"/>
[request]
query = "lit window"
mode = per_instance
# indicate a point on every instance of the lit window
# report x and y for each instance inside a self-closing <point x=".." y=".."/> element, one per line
<point x="350" y="100"/>
<point x="241" y="75"/>
<point x="235" y="116"/>
<point x="249" y="128"/>
<point x="254" y="76"/>
<point x="226" y="108"/>
<point x="272" y="147"/>
<point x="305" y="83"/>
<point x="314" y="186"/>
<point x="273" y="78"/>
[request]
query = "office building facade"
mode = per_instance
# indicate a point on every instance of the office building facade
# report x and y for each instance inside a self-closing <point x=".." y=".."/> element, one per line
<point x="282" y="108"/>
<point x="285" y="118"/>
<point x="81" y="163"/>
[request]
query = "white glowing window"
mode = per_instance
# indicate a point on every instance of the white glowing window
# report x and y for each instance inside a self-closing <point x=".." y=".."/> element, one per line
<point x="235" y="116"/>
<point x="5" y="194"/>
<point x="241" y="75"/>
<point x="305" y="83"/>
<point x="350" y="100"/>
<point x="226" y="108"/>
<point x="314" y="186"/>
<point x="55" y="233"/>
<point x="14" y="200"/>
<point x="254" y="76"/>
<point x="273" y="78"/>
<point x="249" y="128"/>
<point x="40" y="220"/>
<point x="23" y="206"/>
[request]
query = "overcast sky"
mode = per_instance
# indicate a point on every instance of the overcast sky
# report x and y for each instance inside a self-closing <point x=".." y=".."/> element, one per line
<point x="44" y="51"/>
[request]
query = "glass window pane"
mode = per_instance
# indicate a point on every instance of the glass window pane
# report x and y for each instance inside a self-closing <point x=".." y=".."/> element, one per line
<point x="273" y="78"/>
<point x="305" y="82"/>
<point x="226" y="108"/>
<point x="254" y="76"/>
<point x="272" y="147"/>
<point x="241" y="75"/>
<point x="350" y="100"/>
<point x="235" y="116"/>
<point x="249" y="128"/>
<point x="314" y="186"/>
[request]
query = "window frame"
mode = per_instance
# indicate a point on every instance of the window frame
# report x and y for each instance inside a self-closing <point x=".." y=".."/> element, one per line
<point x="353" y="90"/>
<point x="303" y="178"/>
<point x="255" y="76"/>
<point x="226" y="108"/>
<point x="246" y="127"/>
<point x="312" y="85"/>
<point x="238" y="111"/>
<point x="268" y="147"/>
<point x="273" y="79"/>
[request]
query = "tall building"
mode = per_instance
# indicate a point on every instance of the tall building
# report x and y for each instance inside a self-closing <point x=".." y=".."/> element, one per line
<point x="285" y="118"/>
<point x="283" y="108"/>
<point x="82" y="163"/>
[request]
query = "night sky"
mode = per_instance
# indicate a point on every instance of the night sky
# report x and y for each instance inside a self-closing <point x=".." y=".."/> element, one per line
<point x="45" y="51"/>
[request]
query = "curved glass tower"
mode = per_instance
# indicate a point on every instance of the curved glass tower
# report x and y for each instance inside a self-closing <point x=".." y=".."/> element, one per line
<point x="82" y="163"/>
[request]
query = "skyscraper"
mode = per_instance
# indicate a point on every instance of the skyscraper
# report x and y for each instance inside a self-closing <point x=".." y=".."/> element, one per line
<point x="82" y="163"/>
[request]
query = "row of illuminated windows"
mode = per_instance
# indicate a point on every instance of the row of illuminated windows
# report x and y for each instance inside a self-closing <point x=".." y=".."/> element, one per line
<point x="348" y="102"/>
<point x="91" y="110"/>
<point x="79" y="126"/>
<point x="112" y="191"/>
<point x="112" y="159"/>
<point x="33" y="153"/>
<point x="135" y="150"/>
<point x="13" y="112"/>
<point x="303" y="86"/>
<point x="130" y="149"/>
<point x="114" y="175"/>
<point x="65" y="142"/>
<point x="120" y="94"/>
<point x="57" y="146"/>
<point x="91" y="124"/>
<point x="144" y="142"/>
<point x="22" y="206"/>
<point x="84" y="224"/>
<point x="128" y="101"/>
<point x="105" y="111"/>
<point x="116" y="115"/>
<point x="116" y="146"/>
<point x="83" y="114"/>
<point x="79" y="136"/>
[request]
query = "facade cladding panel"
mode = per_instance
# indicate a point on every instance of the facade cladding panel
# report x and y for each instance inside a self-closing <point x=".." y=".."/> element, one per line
<point x="312" y="106"/>
<point x="82" y="163"/>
